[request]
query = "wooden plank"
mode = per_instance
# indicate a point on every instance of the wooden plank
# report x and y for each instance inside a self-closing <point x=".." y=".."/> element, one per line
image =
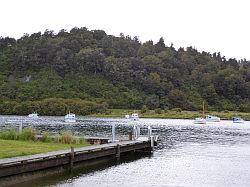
<point x="64" y="152"/>
<point x="17" y="165"/>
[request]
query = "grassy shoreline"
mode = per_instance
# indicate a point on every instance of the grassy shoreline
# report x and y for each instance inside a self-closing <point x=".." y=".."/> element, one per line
<point x="26" y="142"/>
<point x="13" y="148"/>
<point x="227" y="115"/>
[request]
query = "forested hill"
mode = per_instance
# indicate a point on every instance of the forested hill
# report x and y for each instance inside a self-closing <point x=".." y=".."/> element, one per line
<point x="96" y="69"/>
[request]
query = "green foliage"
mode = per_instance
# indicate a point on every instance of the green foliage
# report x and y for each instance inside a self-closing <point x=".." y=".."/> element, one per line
<point x="45" y="137"/>
<point x="11" y="134"/>
<point x="26" y="134"/>
<point x="176" y="114"/>
<point x="53" y="107"/>
<point x="144" y="109"/>
<point x="158" y="111"/>
<point x="13" y="148"/>
<point x="29" y="134"/>
<point x="87" y="71"/>
<point x="66" y="138"/>
<point x="176" y="109"/>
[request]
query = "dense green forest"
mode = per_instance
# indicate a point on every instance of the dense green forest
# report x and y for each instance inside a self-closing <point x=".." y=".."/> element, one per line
<point x="89" y="71"/>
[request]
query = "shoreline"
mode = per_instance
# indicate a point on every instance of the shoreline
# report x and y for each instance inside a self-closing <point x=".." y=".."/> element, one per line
<point x="172" y="114"/>
<point x="16" y="148"/>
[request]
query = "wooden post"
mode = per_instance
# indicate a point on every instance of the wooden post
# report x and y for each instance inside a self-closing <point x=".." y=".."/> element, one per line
<point x="113" y="133"/>
<point x="135" y="132"/>
<point x="152" y="142"/>
<point x="118" y="151"/>
<point x="130" y="134"/>
<point x="21" y="125"/>
<point x="149" y="132"/>
<point x="138" y="131"/>
<point x="72" y="157"/>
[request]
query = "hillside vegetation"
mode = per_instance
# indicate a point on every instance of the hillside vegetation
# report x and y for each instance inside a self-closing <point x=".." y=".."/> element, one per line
<point x="89" y="71"/>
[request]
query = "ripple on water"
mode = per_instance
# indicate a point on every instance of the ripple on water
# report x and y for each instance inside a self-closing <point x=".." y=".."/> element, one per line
<point x="215" y="154"/>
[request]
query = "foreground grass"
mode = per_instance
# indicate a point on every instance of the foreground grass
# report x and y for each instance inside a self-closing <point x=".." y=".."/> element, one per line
<point x="173" y="114"/>
<point x="12" y="148"/>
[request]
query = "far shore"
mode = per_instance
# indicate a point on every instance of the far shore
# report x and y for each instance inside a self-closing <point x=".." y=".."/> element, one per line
<point x="167" y="114"/>
<point x="171" y="114"/>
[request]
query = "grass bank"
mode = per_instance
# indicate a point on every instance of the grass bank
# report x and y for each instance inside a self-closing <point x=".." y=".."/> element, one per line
<point x="12" y="148"/>
<point x="14" y="143"/>
<point x="173" y="114"/>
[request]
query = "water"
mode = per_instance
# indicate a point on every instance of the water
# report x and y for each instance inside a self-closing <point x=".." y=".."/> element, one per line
<point x="215" y="154"/>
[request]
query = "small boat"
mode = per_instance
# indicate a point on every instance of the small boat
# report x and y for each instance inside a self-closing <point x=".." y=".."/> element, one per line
<point x="135" y="116"/>
<point x="211" y="118"/>
<point x="70" y="118"/>
<point x="34" y="115"/>
<point x="238" y="120"/>
<point x="200" y="121"/>
<point x="127" y="116"/>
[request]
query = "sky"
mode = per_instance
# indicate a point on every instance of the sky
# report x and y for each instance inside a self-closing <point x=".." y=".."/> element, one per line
<point x="207" y="25"/>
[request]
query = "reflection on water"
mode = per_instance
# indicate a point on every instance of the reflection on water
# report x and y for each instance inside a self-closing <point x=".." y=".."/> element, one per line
<point x="215" y="154"/>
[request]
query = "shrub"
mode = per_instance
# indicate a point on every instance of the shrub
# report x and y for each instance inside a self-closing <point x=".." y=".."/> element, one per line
<point x="107" y="112"/>
<point x="27" y="134"/>
<point x="57" y="138"/>
<point x="11" y="134"/>
<point x="45" y="137"/>
<point x="67" y="138"/>
<point x="176" y="109"/>
<point x="158" y="111"/>
<point x="144" y="109"/>
<point x="53" y="106"/>
<point x="82" y="140"/>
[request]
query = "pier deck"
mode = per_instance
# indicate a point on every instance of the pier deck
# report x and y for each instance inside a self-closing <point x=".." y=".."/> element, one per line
<point x="23" y="164"/>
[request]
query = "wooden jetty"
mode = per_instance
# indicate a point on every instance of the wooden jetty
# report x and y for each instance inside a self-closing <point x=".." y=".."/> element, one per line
<point x="88" y="139"/>
<point x="25" y="164"/>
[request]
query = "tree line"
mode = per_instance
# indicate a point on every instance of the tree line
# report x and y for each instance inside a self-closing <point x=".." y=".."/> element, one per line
<point x="119" y="72"/>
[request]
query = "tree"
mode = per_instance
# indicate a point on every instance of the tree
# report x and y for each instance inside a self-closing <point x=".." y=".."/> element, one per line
<point x="160" y="45"/>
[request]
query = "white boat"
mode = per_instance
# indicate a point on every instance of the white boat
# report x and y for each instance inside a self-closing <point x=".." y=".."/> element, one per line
<point x="238" y="120"/>
<point x="211" y="118"/>
<point x="200" y="121"/>
<point x="34" y="115"/>
<point x="135" y="116"/>
<point x="70" y="118"/>
<point x="127" y="116"/>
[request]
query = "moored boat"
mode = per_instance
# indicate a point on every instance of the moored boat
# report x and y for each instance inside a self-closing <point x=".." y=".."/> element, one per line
<point x="199" y="121"/>
<point x="127" y="116"/>
<point x="238" y="120"/>
<point x="70" y="118"/>
<point x="34" y="115"/>
<point x="135" y="116"/>
<point x="211" y="118"/>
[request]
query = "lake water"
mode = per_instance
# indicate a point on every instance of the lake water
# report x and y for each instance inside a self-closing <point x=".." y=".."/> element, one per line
<point x="215" y="154"/>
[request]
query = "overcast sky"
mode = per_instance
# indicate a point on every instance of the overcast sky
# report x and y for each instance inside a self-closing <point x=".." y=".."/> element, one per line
<point x="209" y="25"/>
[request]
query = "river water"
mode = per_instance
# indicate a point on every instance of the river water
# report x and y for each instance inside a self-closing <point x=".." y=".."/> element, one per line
<point x="215" y="154"/>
